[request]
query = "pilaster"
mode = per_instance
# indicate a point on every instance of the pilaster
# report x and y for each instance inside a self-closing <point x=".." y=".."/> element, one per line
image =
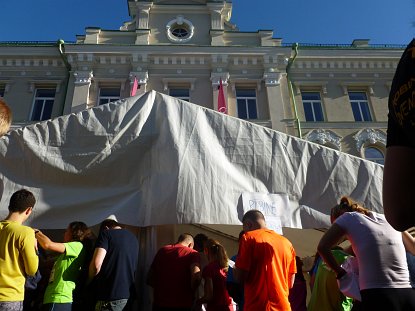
<point x="275" y="100"/>
<point x="142" y="78"/>
<point x="82" y="84"/>
<point x="215" y="77"/>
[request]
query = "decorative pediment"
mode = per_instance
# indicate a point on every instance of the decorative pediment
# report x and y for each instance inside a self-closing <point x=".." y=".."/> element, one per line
<point x="369" y="137"/>
<point x="324" y="137"/>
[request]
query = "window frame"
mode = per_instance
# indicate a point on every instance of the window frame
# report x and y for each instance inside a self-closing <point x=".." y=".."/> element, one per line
<point x="359" y="103"/>
<point x="375" y="160"/>
<point x="312" y="102"/>
<point x="181" y="87"/>
<point x="246" y="98"/>
<point x="108" y="99"/>
<point x="44" y="99"/>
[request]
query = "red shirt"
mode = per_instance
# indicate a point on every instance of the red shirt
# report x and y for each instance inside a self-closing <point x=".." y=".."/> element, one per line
<point x="171" y="271"/>
<point x="220" y="299"/>
<point x="269" y="260"/>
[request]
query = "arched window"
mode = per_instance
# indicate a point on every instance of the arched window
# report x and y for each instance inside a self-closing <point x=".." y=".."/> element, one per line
<point x="374" y="154"/>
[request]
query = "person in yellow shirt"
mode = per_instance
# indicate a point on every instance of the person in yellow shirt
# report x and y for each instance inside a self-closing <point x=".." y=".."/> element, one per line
<point x="18" y="258"/>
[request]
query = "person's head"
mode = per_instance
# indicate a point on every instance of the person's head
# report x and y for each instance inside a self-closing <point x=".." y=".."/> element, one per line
<point x="108" y="224"/>
<point x="253" y="220"/>
<point x="347" y="205"/>
<point x="76" y="231"/>
<point x="22" y="202"/>
<point x="200" y="241"/>
<point x="5" y="117"/>
<point x="216" y="252"/>
<point x="186" y="239"/>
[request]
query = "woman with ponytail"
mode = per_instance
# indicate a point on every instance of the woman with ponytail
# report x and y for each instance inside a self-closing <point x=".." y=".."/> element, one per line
<point x="379" y="249"/>
<point x="214" y="274"/>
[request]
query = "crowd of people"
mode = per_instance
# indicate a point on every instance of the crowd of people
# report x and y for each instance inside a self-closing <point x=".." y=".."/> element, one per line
<point x="81" y="273"/>
<point x="99" y="273"/>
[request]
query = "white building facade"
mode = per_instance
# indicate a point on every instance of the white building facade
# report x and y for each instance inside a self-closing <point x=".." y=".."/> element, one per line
<point x="332" y="95"/>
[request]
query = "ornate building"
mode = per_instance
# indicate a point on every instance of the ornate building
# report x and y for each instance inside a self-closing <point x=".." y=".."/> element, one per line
<point x="332" y="95"/>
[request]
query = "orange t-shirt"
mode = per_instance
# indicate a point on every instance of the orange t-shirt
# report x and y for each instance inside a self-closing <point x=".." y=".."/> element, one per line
<point x="269" y="260"/>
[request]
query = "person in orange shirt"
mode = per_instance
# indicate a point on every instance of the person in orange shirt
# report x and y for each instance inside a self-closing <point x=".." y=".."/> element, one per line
<point x="266" y="265"/>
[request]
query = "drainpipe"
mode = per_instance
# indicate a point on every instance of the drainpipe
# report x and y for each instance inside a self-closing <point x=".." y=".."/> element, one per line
<point x="61" y="47"/>
<point x="291" y="88"/>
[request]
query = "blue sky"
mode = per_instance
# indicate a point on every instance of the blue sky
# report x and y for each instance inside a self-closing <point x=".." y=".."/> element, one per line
<point x="303" y="21"/>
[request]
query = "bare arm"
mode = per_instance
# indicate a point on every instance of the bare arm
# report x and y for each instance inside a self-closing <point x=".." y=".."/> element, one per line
<point x="208" y="291"/>
<point x="408" y="242"/>
<point x="195" y="276"/>
<point x="292" y="280"/>
<point x="96" y="263"/>
<point x="398" y="185"/>
<point x="331" y="238"/>
<point x="48" y="244"/>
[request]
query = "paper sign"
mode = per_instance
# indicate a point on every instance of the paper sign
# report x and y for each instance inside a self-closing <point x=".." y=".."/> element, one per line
<point x="273" y="206"/>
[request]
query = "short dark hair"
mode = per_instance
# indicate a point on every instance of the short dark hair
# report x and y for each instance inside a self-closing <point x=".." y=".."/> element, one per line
<point x="185" y="237"/>
<point x="21" y="200"/>
<point x="109" y="223"/>
<point x="200" y="241"/>
<point x="253" y="215"/>
<point x="78" y="230"/>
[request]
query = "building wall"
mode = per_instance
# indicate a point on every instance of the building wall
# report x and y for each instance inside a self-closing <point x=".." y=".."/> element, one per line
<point x="217" y="50"/>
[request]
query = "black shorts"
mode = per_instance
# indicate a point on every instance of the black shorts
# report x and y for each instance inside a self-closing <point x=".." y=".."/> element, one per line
<point x="388" y="299"/>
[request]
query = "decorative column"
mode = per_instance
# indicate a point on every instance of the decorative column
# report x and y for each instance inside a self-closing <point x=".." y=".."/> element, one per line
<point x="142" y="20"/>
<point x="215" y="77"/>
<point x="217" y="23"/>
<point x="275" y="99"/>
<point x="81" y="90"/>
<point x="142" y="78"/>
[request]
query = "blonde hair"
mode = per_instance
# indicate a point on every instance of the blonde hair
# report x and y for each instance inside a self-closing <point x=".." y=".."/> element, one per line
<point x="5" y="117"/>
<point x="216" y="251"/>
<point x="347" y="204"/>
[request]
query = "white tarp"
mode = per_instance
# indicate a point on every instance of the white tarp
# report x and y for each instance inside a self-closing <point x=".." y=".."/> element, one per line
<point x="155" y="159"/>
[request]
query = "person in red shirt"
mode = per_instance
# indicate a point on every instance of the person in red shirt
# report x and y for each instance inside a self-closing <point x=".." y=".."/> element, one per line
<point x="216" y="295"/>
<point x="175" y="275"/>
<point x="266" y="265"/>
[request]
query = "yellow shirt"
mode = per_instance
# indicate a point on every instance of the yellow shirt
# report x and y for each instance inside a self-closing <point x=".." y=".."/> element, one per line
<point x="18" y="259"/>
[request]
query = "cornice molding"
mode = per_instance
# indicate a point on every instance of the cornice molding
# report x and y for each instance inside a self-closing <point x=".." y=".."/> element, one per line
<point x="369" y="137"/>
<point x="83" y="77"/>
<point x="142" y="77"/>
<point x="325" y="138"/>
<point x="272" y="78"/>
<point x="34" y="83"/>
<point x="167" y="81"/>
<point x="216" y="76"/>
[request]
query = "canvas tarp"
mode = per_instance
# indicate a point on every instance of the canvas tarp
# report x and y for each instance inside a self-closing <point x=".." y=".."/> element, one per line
<point x="154" y="160"/>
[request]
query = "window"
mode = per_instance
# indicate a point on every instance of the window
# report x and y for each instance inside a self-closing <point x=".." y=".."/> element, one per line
<point x="182" y="93"/>
<point x="312" y="106"/>
<point x="375" y="155"/>
<point x="108" y="94"/>
<point x="180" y="30"/>
<point x="360" y="106"/>
<point x="43" y="104"/>
<point x="246" y="102"/>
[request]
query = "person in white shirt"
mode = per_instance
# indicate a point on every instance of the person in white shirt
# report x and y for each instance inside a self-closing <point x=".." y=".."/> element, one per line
<point x="380" y="252"/>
